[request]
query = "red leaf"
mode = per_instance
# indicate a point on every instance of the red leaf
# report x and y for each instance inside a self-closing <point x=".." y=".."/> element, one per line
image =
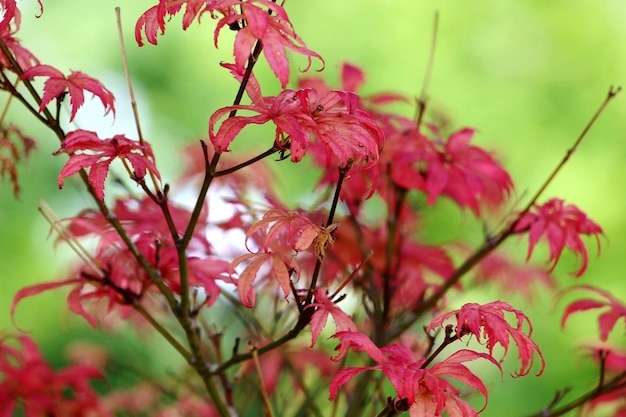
<point x="268" y="23"/>
<point x="451" y="367"/>
<point x="467" y="174"/>
<point x="561" y="225"/>
<point x="423" y="388"/>
<point x="75" y="84"/>
<point x="325" y="306"/>
<point x="75" y="304"/>
<point x="488" y="321"/>
<point x="607" y="320"/>
<point x="343" y="377"/>
<point x="101" y="153"/>
<point x="28" y="380"/>
<point x="151" y="22"/>
<point x="9" y="7"/>
<point x="359" y="342"/>
<point x="37" y="289"/>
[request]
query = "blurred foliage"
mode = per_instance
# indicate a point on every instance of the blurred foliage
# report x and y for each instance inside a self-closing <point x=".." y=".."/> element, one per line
<point x="528" y="75"/>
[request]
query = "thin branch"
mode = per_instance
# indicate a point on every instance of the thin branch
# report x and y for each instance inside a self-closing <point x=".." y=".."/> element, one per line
<point x="56" y="224"/>
<point x="29" y="86"/>
<point x="448" y="339"/>
<point x="131" y="93"/>
<point x="14" y="93"/>
<point x="422" y="101"/>
<point x="613" y="91"/>
<point x="331" y="216"/>
<point x="257" y="158"/>
<point x="5" y="110"/>
<point x="618" y="382"/>
<point x="163" y="332"/>
<point x="257" y="367"/>
<point x="303" y="321"/>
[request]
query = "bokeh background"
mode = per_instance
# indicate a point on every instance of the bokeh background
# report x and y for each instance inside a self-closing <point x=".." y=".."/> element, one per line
<point x="528" y="75"/>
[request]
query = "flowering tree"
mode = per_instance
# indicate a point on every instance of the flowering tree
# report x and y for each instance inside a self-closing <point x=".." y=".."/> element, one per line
<point x="248" y="312"/>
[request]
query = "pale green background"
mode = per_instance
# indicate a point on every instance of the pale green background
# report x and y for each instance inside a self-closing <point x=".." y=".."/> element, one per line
<point x="527" y="74"/>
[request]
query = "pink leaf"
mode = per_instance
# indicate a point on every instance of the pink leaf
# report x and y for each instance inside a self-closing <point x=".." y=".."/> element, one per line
<point x="247" y="277"/>
<point x="325" y="307"/>
<point x="37" y="289"/>
<point x="607" y="320"/>
<point x="75" y="85"/>
<point x="99" y="155"/>
<point x="561" y="225"/>
<point x="489" y="321"/>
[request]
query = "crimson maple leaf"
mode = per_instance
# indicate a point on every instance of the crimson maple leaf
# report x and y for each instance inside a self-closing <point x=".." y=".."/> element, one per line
<point x="152" y="21"/>
<point x="30" y="385"/>
<point x="75" y="84"/>
<point x="281" y="233"/>
<point x="97" y="155"/>
<point x="254" y="20"/>
<point x="423" y="388"/>
<point x="344" y="131"/>
<point x="9" y="11"/>
<point x="616" y="309"/>
<point x="326" y="306"/>
<point x="561" y="224"/>
<point x="467" y="174"/>
<point x="488" y="321"/>
<point x="285" y="111"/>
<point x="266" y="22"/>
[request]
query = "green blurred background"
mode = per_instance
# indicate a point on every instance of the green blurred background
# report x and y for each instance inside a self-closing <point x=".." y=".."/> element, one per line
<point x="527" y="74"/>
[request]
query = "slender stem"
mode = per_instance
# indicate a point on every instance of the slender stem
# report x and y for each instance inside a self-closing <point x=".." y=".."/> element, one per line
<point x="56" y="224"/>
<point x="446" y="341"/>
<point x="13" y="87"/>
<point x="616" y="383"/>
<point x="392" y="259"/>
<point x="257" y="158"/>
<point x="351" y="276"/>
<point x="331" y="216"/>
<point x="612" y="93"/>
<point x="14" y="93"/>
<point x="241" y="357"/>
<point x="388" y="411"/>
<point x="131" y="93"/>
<point x="167" y="335"/>
<point x="29" y="86"/>
<point x="162" y="201"/>
<point x="266" y="399"/>
<point x="182" y="310"/>
<point x="422" y="101"/>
